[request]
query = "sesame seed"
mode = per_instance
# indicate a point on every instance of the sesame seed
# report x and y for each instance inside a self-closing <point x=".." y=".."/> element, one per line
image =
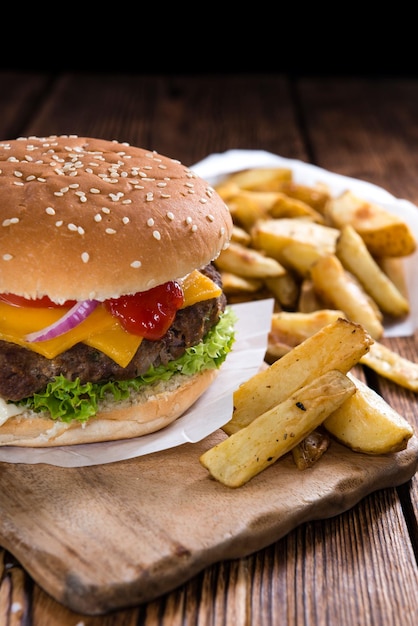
<point x="157" y="235"/>
<point x="150" y="222"/>
<point x="7" y="257"/>
<point x="125" y="220"/>
<point x="50" y="210"/>
<point x="110" y="231"/>
<point x="18" y="174"/>
<point x="210" y="218"/>
<point x="85" y="257"/>
<point x="106" y="210"/>
<point x="12" y="220"/>
<point x="170" y="215"/>
<point x="194" y="228"/>
<point x="149" y="196"/>
<point x="97" y="217"/>
<point x="203" y="200"/>
<point x="59" y="223"/>
<point x="136" y="264"/>
<point x="72" y="227"/>
<point x="188" y="220"/>
<point x="18" y="183"/>
<point x="165" y="195"/>
<point x="94" y="190"/>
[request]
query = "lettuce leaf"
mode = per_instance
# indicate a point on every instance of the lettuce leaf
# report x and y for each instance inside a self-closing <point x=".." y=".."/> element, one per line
<point x="67" y="400"/>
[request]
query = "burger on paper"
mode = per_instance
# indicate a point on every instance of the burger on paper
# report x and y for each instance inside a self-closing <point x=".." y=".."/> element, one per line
<point x="112" y="317"/>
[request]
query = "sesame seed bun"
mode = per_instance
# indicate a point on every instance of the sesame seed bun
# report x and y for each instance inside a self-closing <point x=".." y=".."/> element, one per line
<point x="86" y="218"/>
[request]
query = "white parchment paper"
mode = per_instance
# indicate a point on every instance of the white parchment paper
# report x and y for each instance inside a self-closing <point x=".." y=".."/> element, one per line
<point x="216" y="166"/>
<point x="208" y="414"/>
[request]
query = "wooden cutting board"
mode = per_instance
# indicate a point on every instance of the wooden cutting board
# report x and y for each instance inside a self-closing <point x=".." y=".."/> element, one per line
<point x="110" y="536"/>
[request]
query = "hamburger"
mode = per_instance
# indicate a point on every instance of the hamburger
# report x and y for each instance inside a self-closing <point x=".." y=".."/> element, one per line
<point x="112" y="317"/>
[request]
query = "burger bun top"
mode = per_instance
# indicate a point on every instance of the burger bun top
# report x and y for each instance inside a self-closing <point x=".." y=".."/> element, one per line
<point x="86" y="218"/>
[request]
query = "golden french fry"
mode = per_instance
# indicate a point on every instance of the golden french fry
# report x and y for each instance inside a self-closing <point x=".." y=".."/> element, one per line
<point x="284" y="288"/>
<point x="367" y="423"/>
<point x="392" y="366"/>
<point x="316" y="196"/>
<point x="263" y="178"/>
<point x="239" y="235"/>
<point x="300" y="256"/>
<point x="309" y="299"/>
<point x="384" y="233"/>
<point x="340" y="289"/>
<point x="272" y="236"/>
<point x="356" y="258"/>
<point x="394" y="268"/>
<point x="311" y="449"/>
<point x="243" y="455"/>
<point x="292" y="327"/>
<point x="247" y="262"/>
<point x="339" y="345"/>
<point x="285" y="206"/>
<point x="234" y="284"/>
<point x="245" y="211"/>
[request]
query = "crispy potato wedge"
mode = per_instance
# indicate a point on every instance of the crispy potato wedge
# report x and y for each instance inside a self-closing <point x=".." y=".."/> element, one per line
<point x="317" y="196"/>
<point x="367" y="423"/>
<point x="384" y="233"/>
<point x="273" y="235"/>
<point x="311" y="449"/>
<point x="284" y="288"/>
<point x="245" y="211"/>
<point x="291" y="328"/>
<point x="392" y="366"/>
<point x="394" y="268"/>
<point x="309" y="300"/>
<point x="243" y="455"/>
<point x="338" y="287"/>
<point x="285" y="206"/>
<point x="356" y="258"/>
<point x="241" y="236"/>
<point x="339" y="345"/>
<point x="247" y="262"/>
<point x="263" y="178"/>
<point x="234" y="284"/>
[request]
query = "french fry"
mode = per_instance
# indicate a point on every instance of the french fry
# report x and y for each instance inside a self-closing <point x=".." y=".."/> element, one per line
<point x="284" y="288"/>
<point x="309" y="299"/>
<point x="340" y="289"/>
<point x="247" y="262"/>
<point x="384" y="233"/>
<point x="339" y="345"/>
<point x="273" y="235"/>
<point x="291" y="328"/>
<point x="311" y="449"/>
<point x="316" y="196"/>
<point x="263" y="178"/>
<point x="243" y="455"/>
<point x="394" y="269"/>
<point x="392" y="366"/>
<point x="234" y="284"/>
<point x="239" y="235"/>
<point x="285" y="206"/>
<point x="367" y="423"/>
<point x="356" y="258"/>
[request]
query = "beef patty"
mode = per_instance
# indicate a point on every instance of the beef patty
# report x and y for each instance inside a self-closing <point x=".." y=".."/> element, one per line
<point x="24" y="372"/>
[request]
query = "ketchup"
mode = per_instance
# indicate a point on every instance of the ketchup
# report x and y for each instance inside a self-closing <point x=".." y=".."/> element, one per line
<point x="148" y="313"/>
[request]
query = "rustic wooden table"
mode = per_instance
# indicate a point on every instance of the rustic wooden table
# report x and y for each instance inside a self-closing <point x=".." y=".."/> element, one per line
<point x="361" y="566"/>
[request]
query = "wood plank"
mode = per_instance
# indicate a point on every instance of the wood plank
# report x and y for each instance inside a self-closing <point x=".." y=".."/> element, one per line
<point x="364" y="128"/>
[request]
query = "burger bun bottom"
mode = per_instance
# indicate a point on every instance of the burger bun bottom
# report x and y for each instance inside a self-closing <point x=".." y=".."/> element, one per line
<point x="146" y="412"/>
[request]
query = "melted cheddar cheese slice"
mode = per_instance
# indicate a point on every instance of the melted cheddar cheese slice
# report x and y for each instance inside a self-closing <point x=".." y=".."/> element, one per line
<point x="100" y="330"/>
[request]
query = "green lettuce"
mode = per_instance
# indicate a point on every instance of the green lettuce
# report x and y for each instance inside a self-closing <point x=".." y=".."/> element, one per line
<point x="67" y="400"/>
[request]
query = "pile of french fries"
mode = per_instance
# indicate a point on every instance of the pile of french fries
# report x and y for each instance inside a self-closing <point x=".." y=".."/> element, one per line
<point x="334" y="266"/>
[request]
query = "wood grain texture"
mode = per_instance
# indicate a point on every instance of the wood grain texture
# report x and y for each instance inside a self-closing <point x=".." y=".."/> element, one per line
<point x="106" y="537"/>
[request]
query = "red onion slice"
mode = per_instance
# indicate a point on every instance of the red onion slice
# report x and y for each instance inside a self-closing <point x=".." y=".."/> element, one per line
<point x="78" y="313"/>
